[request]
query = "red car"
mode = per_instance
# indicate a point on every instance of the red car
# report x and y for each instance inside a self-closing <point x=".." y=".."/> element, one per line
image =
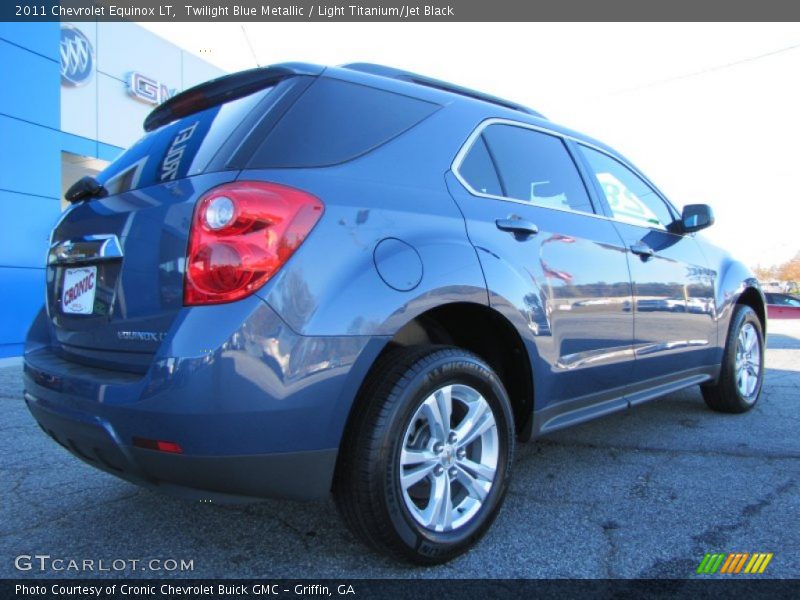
<point x="782" y="306"/>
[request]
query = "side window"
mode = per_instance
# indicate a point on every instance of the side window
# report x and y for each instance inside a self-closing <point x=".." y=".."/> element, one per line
<point x="478" y="170"/>
<point x="536" y="167"/>
<point x="336" y="121"/>
<point x="782" y="300"/>
<point x="631" y="200"/>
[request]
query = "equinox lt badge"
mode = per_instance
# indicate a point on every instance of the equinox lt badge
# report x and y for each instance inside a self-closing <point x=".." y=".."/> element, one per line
<point x="141" y="336"/>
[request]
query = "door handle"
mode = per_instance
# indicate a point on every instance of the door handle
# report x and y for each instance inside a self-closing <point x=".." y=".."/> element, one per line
<point x="642" y="250"/>
<point x="519" y="227"/>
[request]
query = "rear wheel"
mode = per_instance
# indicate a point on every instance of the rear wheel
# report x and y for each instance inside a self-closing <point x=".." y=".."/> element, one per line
<point x="425" y="463"/>
<point x="742" y="371"/>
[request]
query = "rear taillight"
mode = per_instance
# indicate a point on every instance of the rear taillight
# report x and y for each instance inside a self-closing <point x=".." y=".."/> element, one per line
<point x="242" y="234"/>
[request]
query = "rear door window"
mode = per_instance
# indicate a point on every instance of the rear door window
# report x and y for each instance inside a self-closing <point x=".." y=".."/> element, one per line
<point x="531" y="166"/>
<point x="336" y="121"/>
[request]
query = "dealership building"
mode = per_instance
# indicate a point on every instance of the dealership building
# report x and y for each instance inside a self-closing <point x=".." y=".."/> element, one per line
<point x="73" y="97"/>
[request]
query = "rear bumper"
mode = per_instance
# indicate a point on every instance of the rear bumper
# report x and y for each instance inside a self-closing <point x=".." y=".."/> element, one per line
<point x="258" y="415"/>
<point x="300" y="475"/>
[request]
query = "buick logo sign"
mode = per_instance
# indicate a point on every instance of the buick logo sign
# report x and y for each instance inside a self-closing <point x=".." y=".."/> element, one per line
<point x="77" y="57"/>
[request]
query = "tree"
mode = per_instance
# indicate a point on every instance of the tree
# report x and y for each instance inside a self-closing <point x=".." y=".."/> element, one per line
<point x="765" y="273"/>
<point x="790" y="270"/>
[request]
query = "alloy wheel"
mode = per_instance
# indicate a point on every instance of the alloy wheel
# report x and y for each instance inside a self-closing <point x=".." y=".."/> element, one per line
<point x="449" y="458"/>
<point x="748" y="361"/>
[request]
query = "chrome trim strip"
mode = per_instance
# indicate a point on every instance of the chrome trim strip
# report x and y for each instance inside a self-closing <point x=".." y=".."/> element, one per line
<point x="91" y="248"/>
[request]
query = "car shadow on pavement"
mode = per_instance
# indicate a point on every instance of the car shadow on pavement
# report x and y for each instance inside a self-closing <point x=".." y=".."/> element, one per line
<point x="639" y="492"/>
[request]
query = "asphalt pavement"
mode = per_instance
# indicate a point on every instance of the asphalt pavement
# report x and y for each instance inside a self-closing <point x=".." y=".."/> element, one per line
<point x="644" y="493"/>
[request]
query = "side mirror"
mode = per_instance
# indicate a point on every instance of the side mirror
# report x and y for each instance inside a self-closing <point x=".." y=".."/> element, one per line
<point x="696" y="217"/>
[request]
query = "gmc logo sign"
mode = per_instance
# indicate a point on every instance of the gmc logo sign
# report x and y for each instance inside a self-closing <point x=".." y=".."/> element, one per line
<point x="148" y="90"/>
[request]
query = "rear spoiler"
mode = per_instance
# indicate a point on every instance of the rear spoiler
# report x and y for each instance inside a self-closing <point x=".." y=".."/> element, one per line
<point x="224" y="89"/>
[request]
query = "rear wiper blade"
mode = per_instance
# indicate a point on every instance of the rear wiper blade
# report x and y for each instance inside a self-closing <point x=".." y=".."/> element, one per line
<point x="85" y="188"/>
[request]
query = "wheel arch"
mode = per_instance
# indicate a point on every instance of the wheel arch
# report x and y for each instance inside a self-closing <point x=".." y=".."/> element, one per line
<point x="479" y="329"/>
<point x="753" y="297"/>
<point x="735" y="284"/>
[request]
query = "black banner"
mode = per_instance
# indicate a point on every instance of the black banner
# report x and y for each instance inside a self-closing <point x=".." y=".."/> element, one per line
<point x="392" y="10"/>
<point x="416" y="589"/>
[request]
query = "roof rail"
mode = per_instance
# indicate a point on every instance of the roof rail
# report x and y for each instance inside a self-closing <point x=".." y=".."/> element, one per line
<point x="393" y="73"/>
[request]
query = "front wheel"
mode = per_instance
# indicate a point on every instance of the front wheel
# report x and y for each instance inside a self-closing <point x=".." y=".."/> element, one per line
<point x="742" y="371"/>
<point x="426" y="460"/>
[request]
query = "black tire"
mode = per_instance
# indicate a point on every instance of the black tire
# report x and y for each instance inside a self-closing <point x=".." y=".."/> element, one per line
<point x="367" y="485"/>
<point x="725" y="395"/>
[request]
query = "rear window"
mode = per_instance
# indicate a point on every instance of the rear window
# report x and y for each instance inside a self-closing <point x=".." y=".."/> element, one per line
<point x="179" y="149"/>
<point x="336" y="121"/>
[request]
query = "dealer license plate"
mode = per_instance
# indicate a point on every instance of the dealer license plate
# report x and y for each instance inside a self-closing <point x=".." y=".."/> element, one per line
<point x="78" y="290"/>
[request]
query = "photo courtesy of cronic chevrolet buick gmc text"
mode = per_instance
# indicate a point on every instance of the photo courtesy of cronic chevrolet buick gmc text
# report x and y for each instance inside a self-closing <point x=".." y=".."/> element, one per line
<point x="361" y="280"/>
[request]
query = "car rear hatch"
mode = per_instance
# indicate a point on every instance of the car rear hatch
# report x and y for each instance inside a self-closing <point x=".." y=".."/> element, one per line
<point x="116" y="264"/>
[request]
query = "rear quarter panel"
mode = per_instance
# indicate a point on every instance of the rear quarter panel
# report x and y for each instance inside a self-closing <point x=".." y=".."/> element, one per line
<point x="331" y="286"/>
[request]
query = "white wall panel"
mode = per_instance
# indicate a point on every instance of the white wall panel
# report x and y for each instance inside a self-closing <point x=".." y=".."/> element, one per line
<point x="103" y="110"/>
<point x="125" y="47"/>
<point x="119" y="116"/>
<point x="196" y="70"/>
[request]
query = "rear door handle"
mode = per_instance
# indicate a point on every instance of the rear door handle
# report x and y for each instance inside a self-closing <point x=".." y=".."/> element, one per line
<point x="642" y="250"/>
<point x="519" y="227"/>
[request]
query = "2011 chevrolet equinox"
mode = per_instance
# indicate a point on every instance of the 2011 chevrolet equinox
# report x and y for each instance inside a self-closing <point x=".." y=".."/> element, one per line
<point x="359" y="279"/>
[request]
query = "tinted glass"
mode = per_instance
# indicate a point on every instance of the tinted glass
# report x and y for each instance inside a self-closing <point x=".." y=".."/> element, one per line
<point x="335" y="121"/>
<point x="536" y="167"/>
<point x="178" y="149"/>
<point x="478" y="170"/>
<point x="782" y="300"/>
<point x="629" y="197"/>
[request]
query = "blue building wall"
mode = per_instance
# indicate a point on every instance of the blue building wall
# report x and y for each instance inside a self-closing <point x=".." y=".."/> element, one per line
<point x="30" y="155"/>
<point x="40" y="119"/>
<point x="31" y="142"/>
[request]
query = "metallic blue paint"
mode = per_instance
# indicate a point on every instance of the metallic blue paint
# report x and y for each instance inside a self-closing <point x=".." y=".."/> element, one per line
<point x="276" y="374"/>
<point x="674" y="319"/>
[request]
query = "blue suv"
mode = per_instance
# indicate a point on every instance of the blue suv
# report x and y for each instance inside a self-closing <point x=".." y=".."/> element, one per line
<point x="366" y="281"/>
